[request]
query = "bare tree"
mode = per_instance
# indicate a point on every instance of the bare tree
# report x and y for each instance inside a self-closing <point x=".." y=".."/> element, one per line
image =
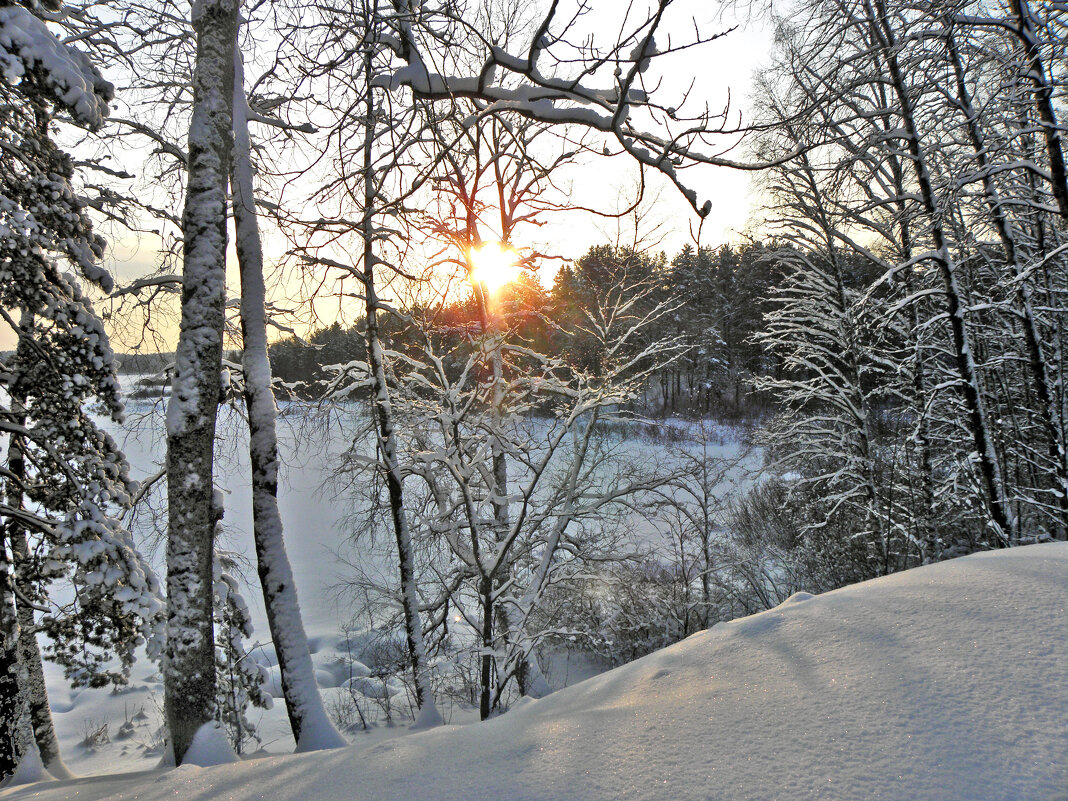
<point x="904" y="136"/>
<point x="312" y="729"/>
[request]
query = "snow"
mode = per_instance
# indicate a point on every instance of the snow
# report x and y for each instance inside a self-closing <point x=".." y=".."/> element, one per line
<point x="316" y="530"/>
<point x="210" y="747"/>
<point x="939" y="683"/>
<point x="427" y="718"/>
<point x="26" y="44"/>
<point x="30" y="769"/>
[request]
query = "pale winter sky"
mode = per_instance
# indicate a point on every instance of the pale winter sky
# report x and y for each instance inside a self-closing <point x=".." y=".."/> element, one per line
<point x="718" y="72"/>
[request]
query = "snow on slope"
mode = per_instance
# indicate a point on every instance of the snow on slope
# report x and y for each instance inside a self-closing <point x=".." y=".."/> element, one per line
<point x="945" y="682"/>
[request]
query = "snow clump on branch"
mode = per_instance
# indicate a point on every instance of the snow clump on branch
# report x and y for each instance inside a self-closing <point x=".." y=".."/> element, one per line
<point x="27" y="46"/>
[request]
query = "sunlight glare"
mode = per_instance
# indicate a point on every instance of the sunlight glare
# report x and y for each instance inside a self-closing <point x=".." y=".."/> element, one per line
<point x="494" y="265"/>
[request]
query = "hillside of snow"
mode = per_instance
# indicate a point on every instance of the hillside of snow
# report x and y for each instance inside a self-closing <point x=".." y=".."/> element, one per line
<point x="945" y="682"/>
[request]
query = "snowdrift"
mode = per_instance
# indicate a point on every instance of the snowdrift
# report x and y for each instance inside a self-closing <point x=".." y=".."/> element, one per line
<point x="946" y="682"/>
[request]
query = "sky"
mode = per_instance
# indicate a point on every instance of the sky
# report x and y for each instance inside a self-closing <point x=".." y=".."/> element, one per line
<point x="717" y="74"/>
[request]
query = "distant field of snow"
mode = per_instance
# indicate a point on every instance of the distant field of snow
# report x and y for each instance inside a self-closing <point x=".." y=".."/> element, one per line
<point x="941" y="683"/>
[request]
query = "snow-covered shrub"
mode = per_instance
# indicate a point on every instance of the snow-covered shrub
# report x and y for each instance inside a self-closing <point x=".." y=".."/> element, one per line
<point x="621" y="611"/>
<point x="346" y="711"/>
<point x="240" y="679"/>
<point x="96" y="734"/>
<point x="375" y="680"/>
<point x="780" y="543"/>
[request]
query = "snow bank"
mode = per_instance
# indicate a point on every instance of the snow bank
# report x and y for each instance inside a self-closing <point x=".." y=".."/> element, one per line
<point x="30" y="770"/>
<point x="941" y="683"/>
<point x="210" y="747"/>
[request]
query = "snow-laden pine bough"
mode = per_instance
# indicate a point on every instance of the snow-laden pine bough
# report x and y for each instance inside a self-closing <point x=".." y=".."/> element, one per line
<point x="68" y="568"/>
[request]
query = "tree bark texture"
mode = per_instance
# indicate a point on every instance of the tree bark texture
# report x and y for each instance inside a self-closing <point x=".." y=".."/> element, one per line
<point x="312" y="729"/>
<point x="189" y="660"/>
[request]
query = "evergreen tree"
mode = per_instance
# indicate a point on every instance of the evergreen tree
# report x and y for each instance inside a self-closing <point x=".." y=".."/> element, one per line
<point x="65" y="478"/>
<point x="241" y="679"/>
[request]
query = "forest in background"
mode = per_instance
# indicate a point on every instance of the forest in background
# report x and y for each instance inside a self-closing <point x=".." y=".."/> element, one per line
<point x="717" y="296"/>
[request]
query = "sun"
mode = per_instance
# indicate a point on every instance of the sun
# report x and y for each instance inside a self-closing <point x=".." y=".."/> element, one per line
<point x="493" y="264"/>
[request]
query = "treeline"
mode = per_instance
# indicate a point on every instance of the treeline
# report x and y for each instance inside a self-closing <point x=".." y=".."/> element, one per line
<point x="142" y="363"/>
<point x="920" y="183"/>
<point x="717" y="298"/>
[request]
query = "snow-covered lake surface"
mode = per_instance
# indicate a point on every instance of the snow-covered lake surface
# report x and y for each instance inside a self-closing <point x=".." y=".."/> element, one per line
<point x="314" y="511"/>
<point x="315" y="507"/>
<point x="313" y="517"/>
<point x="942" y="683"/>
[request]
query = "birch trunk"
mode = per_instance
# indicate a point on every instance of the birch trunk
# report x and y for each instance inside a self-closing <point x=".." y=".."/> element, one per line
<point x="923" y="511"/>
<point x="189" y="659"/>
<point x="499" y="501"/>
<point x="15" y="724"/>
<point x="529" y="677"/>
<point x="312" y="728"/>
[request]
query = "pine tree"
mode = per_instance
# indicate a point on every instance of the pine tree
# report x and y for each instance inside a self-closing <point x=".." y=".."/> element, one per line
<point x="65" y="479"/>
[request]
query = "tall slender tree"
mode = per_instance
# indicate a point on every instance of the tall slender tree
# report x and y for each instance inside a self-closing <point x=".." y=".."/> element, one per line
<point x="193" y="509"/>
<point x="312" y="729"/>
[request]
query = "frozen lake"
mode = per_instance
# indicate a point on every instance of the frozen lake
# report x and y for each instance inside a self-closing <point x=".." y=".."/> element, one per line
<point x="315" y="507"/>
<point x="316" y="514"/>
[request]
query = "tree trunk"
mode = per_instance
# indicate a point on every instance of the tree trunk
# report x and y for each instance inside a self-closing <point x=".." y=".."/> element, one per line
<point x="387" y="441"/>
<point x="312" y="729"/>
<point x="1043" y="93"/>
<point x="706" y="536"/>
<point x="15" y="724"/>
<point x="29" y="652"/>
<point x="189" y="660"/>
<point x="1036" y="359"/>
<point x="12" y="699"/>
<point x="924" y="515"/>
<point x="44" y="730"/>
<point x="485" y="591"/>
<point x="529" y="677"/>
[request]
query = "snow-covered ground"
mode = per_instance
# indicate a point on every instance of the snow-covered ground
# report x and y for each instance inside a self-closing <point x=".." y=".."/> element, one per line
<point x="945" y="682"/>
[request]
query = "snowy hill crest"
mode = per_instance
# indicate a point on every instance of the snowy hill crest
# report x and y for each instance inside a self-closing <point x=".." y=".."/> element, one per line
<point x="936" y="683"/>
